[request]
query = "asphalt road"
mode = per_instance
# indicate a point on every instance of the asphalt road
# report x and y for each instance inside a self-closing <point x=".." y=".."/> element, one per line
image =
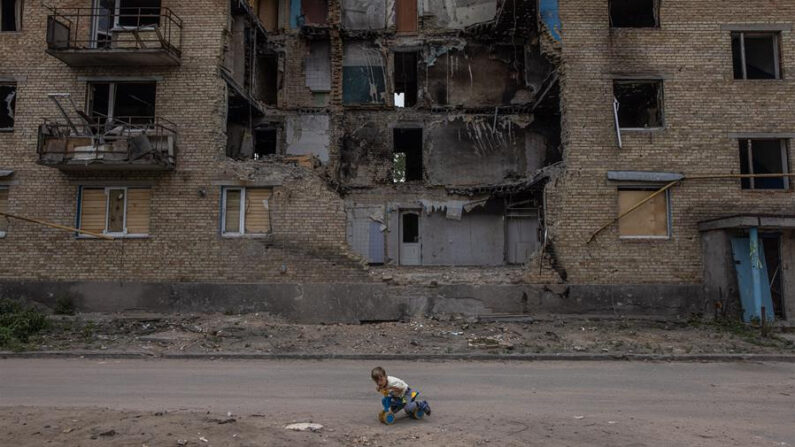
<point x="612" y="403"/>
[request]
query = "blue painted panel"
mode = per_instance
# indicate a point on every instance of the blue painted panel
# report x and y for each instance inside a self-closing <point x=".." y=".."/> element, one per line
<point x="376" y="243"/>
<point x="363" y="85"/>
<point x="741" y="251"/>
<point x="549" y="11"/>
<point x="295" y="14"/>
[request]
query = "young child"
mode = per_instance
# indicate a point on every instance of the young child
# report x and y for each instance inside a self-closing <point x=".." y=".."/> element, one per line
<point x="393" y="387"/>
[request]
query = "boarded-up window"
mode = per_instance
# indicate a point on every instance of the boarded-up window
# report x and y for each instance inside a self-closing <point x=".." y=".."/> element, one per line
<point x="246" y="211"/>
<point x="650" y="220"/>
<point x="318" y="67"/>
<point x="269" y="14"/>
<point x="3" y="209"/>
<point x="406" y="16"/>
<point x="120" y="211"/>
<point x="363" y="77"/>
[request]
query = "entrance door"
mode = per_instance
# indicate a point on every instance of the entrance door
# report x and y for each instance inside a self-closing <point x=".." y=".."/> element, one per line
<point x="410" y="238"/>
<point x="772" y="252"/>
<point x="741" y="251"/>
<point x="522" y="238"/>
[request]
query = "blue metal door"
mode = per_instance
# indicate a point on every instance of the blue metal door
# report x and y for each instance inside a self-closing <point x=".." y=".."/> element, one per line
<point x="741" y="251"/>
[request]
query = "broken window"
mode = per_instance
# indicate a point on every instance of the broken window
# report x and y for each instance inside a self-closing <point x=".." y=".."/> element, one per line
<point x="756" y="55"/>
<point x="118" y="211"/>
<point x="8" y="100"/>
<point x="650" y="220"/>
<point x="407" y="155"/>
<point x="764" y="157"/>
<point x="268" y="79"/>
<point x="405" y="79"/>
<point x="406" y="16"/>
<point x="640" y="104"/>
<point x="634" y="13"/>
<point x="318" y="66"/>
<point x="363" y="77"/>
<point x="245" y="211"/>
<point x="10" y="15"/>
<point x="125" y="102"/>
<point x="3" y="209"/>
<point x="265" y="142"/>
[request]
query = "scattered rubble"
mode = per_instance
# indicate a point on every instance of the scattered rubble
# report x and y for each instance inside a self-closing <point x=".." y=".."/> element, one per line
<point x="304" y="426"/>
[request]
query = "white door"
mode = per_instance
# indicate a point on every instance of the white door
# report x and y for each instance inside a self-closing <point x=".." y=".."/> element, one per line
<point x="410" y="238"/>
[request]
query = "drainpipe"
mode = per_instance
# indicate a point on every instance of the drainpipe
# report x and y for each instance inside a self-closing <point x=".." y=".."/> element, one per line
<point x="756" y="269"/>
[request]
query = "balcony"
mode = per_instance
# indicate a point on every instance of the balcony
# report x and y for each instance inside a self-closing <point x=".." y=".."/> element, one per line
<point x="148" y="36"/>
<point x="121" y="144"/>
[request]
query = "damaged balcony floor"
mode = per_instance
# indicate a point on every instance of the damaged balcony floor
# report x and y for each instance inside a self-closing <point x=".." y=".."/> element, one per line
<point x="260" y="333"/>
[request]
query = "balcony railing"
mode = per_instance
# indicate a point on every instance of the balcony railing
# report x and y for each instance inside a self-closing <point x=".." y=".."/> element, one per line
<point x="125" y="36"/>
<point x="123" y="143"/>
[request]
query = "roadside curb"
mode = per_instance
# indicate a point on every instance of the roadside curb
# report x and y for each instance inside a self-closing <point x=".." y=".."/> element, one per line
<point x="788" y="358"/>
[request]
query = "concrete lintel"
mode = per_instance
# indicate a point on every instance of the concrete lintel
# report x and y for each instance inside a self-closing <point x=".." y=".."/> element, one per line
<point x="643" y="176"/>
<point x="112" y="182"/>
<point x="6" y="173"/>
<point x="12" y="78"/>
<point x="120" y="78"/>
<point x="778" y="222"/>
<point x="249" y="183"/>
<point x="726" y="223"/>
<point x="761" y="135"/>
<point x="756" y="27"/>
<point x="640" y="76"/>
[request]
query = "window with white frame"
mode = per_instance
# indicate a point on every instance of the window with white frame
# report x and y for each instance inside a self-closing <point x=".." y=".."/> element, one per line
<point x="3" y="209"/>
<point x="764" y="157"/>
<point x="652" y="220"/>
<point x="245" y="211"/>
<point x="755" y="55"/>
<point x="118" y="211"/>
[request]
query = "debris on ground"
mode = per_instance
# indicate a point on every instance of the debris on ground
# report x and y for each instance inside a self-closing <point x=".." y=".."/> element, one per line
<point x="304" y="426"/>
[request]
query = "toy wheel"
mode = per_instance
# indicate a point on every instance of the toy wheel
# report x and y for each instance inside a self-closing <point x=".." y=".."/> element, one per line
<point x="418" y="414"/>
<point x="381" y="415"/>
<point x="389" y="418"/>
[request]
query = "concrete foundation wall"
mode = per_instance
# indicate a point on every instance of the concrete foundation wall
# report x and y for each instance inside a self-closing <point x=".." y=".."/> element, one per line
<point x="352" y="303"/>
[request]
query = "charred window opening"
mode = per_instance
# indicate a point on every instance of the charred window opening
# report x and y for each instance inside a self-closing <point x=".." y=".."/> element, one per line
<point x="764" y="157"/>
<point x="634" y="13"/>
<point x="8" y="100"/>
<point x="10" y="15"/>
<point x="265" y="142"/>
<point x="268" y="78"/>
<point x="127" y="102"/>
<point x="407" y="155"/>
<point x="756" y="55"/>
<point x="640" y="104"/>
<point x="405" y="79"/>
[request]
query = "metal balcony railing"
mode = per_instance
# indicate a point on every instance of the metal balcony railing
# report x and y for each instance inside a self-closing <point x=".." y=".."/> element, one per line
<point x="122" y="142"/>
<point x="130" y="29"/>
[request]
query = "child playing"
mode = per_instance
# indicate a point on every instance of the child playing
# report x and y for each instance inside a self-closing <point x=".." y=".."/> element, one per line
<point x="397" y="389"/>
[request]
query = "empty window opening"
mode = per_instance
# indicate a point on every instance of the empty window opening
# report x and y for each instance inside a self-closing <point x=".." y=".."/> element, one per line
<point x="109" y="16"/>
<point x="245" y="211"/>
<point x="314" y="11"/>
<point x="119" y="211"/>
<point x="634" y="13"/>
<point x="10" y="15"/>
<point x="651" y="220"/>
<point x="8" y="101"/>
<point x="756" y="55"/>
<point x="407" y="155"/>
<point x="405" y="79"/>
<point x="268" y="69"/>
<point x="3" y="209"/>
<point x="124" y="102"/>
<point x="764" y="157"/>
<point x="265" y="142"/>
<point x="640" y="104"/>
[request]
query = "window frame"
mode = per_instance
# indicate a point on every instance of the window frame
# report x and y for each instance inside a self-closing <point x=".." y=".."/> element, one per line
<point x="785" y="165"/>
<point x="660" y="102"/>
<point x="124" y="234"/>
<point x="669" y="212"/>
<point x="242" y="211"/>
<point x="779" y="75"/>
<point x="112" y="91"/>
<point x="19" y="6"/>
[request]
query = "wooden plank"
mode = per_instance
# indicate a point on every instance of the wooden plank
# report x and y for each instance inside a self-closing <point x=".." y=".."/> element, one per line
<point x="92" y="210"/>
<point x="406" y="16"/>
<point x="258" y="210"/>
<point x="138" y="210"/>
<point x="649" y="219"/>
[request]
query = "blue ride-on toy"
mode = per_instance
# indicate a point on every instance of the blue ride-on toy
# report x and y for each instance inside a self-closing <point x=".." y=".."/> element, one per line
<point x="392" y="405"/>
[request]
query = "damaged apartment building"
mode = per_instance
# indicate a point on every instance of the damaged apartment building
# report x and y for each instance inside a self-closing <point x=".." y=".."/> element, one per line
<point x="370" y="160"/>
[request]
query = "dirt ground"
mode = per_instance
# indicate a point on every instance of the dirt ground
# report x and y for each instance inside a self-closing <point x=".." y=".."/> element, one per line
<point x="260" y="333"/>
